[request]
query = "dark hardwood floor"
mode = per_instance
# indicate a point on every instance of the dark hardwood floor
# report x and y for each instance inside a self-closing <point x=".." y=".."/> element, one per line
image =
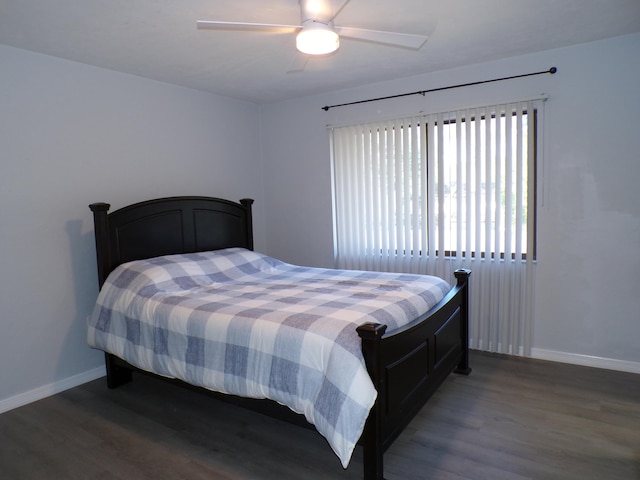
<point x="512" y="418"/>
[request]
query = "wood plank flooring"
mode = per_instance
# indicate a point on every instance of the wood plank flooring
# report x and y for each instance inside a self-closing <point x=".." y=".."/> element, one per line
<point x="512" y="418"/>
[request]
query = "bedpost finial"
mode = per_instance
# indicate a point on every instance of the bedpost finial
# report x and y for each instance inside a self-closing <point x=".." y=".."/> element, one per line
<point x="99" y="207"/>
<point x="462" y="274"/>
<point x="371" y="330"/>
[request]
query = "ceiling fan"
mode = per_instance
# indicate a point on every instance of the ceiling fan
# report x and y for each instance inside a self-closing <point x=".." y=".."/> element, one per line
<point x="317" y="34"/>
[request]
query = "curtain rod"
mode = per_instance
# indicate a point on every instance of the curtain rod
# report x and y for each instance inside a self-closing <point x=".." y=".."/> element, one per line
<point x="552" y="70"/>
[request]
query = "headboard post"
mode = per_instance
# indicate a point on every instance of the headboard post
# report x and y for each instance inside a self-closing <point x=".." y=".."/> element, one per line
<point x="247" y="202"/>
<point x="103" y="251"/>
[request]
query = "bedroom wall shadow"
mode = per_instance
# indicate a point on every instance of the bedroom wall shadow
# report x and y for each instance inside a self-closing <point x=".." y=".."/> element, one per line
<point x="85" y="292"/>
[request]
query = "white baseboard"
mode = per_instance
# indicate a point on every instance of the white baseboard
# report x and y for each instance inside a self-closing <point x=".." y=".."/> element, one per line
<point x="539" y="353"/>
<point x="50" y="389"/>
<point x="586" y="360"/>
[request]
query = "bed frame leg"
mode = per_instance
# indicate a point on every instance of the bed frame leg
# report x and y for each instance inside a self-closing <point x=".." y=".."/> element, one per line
<point x="373" y="463"/>
<point x="116" y="375"/>
<point x="463" y="368"/>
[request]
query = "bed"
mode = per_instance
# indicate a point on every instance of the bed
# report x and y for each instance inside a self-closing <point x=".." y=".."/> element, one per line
<point x="211" y="238"/>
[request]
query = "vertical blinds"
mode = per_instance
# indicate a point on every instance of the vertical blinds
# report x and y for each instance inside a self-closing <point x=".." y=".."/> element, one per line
<point x="433" y="193"/>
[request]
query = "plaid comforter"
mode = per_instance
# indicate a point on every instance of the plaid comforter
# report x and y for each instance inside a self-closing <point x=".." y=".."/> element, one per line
<point x="239" y="322"/>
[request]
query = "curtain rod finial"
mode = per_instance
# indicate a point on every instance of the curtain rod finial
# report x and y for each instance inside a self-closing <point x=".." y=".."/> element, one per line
<point x="553" y="70"/>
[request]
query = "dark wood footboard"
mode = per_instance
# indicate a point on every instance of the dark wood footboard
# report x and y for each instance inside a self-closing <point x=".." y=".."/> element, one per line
<point x="409" y="365"/>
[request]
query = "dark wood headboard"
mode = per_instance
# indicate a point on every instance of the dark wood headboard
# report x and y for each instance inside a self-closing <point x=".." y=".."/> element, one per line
<point x="167" y="226"/>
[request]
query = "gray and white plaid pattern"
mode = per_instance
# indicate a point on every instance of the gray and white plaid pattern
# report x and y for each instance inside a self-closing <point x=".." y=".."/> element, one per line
<point x="239" y="322"/>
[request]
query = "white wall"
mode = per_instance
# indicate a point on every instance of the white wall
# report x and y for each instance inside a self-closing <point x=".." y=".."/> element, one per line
<point x="587" y="308"/>
<point x="71" y="135"/>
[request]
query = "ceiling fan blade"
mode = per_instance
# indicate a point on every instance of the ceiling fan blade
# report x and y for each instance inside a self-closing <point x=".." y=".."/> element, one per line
<point x="321" y="10"/>
<point x="214" y="25"/>
<point x="408" y="40"/>
<point x="337" y="6"/>
<point x="299" y="63"/>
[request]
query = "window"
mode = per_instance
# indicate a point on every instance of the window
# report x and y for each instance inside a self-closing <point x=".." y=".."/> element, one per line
<point x="458" y="184"/>
<point x="485" y="163"/>
<point x="432" y="193"/>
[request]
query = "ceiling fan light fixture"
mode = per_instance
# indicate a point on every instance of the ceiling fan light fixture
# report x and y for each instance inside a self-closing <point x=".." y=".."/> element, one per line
<point x="317" y="39"/>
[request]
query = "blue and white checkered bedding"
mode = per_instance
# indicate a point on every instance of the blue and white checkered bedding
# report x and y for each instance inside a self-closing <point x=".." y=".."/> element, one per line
<point x="239" y="322"/>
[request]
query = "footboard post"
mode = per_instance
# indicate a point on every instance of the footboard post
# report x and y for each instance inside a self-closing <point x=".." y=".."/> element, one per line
<point x="462" y="275"/>
<point x="372" y="437"/>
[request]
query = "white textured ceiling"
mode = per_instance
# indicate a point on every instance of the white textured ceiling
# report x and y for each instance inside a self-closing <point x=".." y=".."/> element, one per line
<point x="158" y="39"/>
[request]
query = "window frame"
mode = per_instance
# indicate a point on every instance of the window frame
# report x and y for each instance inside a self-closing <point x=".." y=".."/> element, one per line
<point x="532" y="184"/>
